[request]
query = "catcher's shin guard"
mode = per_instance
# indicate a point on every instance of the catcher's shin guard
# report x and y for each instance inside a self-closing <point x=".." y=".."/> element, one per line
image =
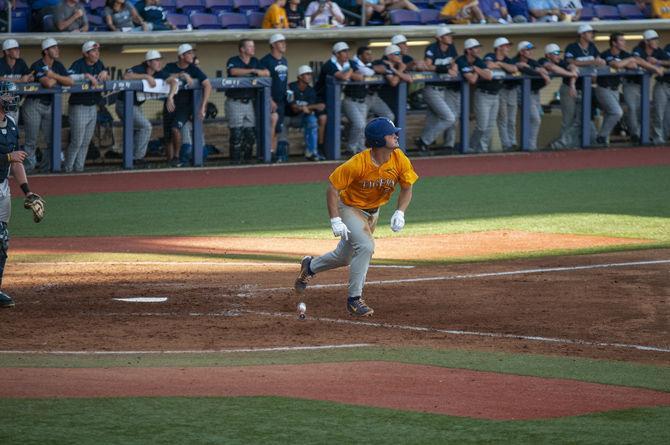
<point x="4" y="246"/>
<point x="248" y="141"/>
<point x="236" y="138"/>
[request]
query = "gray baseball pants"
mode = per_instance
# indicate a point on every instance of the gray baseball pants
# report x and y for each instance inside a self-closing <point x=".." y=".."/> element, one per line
<point x="509" y="100"/>
<point x="661" y="102"/>
<point x="240" y="114"/>
<point x="356" y="251"/>
<point x="356" y="111"/>
<point x="632" y="96"/>
<point x="608" y="101"/>
<point x="36" y="117"/>
<point x="486" y="112"/>
<point x="440" y="115"/>
<point x="141" y="130"/>
<point x="454" y="103"/>
<point x="378" y="107"/>
<point x="535" y="120"/>
<point x="82" y="125"/>
<point x="571" y="117"/>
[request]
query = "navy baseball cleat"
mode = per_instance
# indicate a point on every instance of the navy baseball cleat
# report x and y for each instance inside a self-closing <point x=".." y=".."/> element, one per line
<point x="6" y="300"/>
<point x="357" y="307"/>
<point x="304" y="276"/>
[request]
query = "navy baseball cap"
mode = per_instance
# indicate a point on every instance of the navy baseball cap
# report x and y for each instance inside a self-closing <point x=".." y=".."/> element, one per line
<point x="377" y="129"/>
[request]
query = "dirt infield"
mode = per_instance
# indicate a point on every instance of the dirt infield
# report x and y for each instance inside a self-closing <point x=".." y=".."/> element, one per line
<point x="454" y="392"/>
<point x="433" y="247"/>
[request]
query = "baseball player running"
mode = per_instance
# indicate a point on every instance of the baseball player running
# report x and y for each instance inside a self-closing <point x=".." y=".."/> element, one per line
<point x="11" y="159"/>
<point x="357" y="189"/>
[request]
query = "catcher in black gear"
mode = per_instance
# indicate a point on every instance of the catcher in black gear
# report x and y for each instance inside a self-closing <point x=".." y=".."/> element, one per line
<point x="11" y="160"/>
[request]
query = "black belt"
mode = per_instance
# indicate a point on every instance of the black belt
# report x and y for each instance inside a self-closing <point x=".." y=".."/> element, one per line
<point x="357" y="99"/>
<point x="371" y="211"/>
<point x="490" y="93"/>
<point x="244" y="100"/>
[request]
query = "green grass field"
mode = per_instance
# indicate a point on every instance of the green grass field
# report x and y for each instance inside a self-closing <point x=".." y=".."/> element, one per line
<point x="626" y="202"/>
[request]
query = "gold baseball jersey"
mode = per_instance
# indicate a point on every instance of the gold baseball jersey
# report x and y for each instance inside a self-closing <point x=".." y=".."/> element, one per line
<point x="365" y="185"/>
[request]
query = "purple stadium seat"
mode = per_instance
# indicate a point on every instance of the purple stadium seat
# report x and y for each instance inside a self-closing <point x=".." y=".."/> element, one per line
<point x="606" y="12"/>
<point x="96" y="6"/>
<point x="202" y="20"/>
<point x="429" y="16"/>
<point x="179" y="20"/>
<point x="96" y="23"/>
<point x="233" y="20"/>
<point x="216" y="6"/>
<point x="169" y="5"/>
<point x="189" y="6"/>
<point x="255" y="19"/>
<point x="405" y="17"/>
<point x="630" y="12"/>
<point x="587" y="14"/>
<point x="263" y="5"/>
<point x="246" y="5"/>
<point x="19" y="20"/>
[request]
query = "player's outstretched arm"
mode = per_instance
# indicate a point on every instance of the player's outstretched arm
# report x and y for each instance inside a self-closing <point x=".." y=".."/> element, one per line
<point x="398" y="218"/>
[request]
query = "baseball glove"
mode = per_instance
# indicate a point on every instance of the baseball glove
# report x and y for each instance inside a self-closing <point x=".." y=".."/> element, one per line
<point x="35" y="203"/>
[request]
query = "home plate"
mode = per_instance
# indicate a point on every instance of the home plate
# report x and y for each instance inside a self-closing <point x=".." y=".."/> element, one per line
<point x="143" y="299"/>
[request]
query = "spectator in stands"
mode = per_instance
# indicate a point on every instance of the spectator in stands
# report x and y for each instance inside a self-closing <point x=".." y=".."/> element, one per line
<point x="83" y="112"/>
<point x="375" y="104"/>
<point x="474" y="70"/>
<point x="178" y="151"/>
<point x="500" y="63"/>
<point x="37" y="109"/>
<point x="518" y="9"/>
<point x="71" y="16"/>
<point x="295" y="14"/>
<point x="411" y="64"/>
<point x="462" y="12"/>
<point x="277" y="65"/>
<point x="240" y="110"/>
<point x="354" y="105"/>
<point x="531" y="67"/>
<point x="120" y="15"/>
<point x="13" y="68"/>
<point x="324" y="12"/>
<point x="304" y="110"/>
<point x="660" y="9"/>
<point x="39" y="9"/>
<point x="585" y="56"/>
<point x="154" y="15"/>
<point x="607" y="92"/>
<point x="495" y="11"/>
<point x="543" y="10"/>
<point x="571" y="10"/>
<point x="275" y="17"/>
<point x="651" y="57"/>
<point x="443" y="101"/>
<point x="150" y="70"/>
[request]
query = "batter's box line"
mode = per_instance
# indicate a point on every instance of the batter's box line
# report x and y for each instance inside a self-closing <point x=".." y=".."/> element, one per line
<point x="565" y="341"/>
<point x="477" y="275"/>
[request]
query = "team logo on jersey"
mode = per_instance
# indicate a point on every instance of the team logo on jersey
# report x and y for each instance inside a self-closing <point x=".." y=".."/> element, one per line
<point x="388" y="185"/>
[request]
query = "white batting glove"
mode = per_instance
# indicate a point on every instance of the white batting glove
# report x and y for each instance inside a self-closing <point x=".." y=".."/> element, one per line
<point x="339" y="228"/>
<point x="398" y="221"/>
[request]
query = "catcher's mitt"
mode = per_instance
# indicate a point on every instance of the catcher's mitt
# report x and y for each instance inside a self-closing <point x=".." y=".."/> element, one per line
<point x="35" y="203"/>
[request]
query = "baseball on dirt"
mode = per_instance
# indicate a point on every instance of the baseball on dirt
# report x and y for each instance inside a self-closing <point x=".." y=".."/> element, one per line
<point x="302" y="308"/>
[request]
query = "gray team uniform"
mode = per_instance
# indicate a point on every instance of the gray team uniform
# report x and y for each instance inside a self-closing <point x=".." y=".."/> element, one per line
<point x="536" y="84"/>
<point x="9" y="142"/>
<point x="607" y="94"/>
<point x="443" y="100"/>
<point x="241" y="113"/>
<point x="376" y="105"/>
<point x="486" y="103"/>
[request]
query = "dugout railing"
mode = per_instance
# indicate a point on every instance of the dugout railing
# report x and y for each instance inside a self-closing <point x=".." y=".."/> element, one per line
<point x="129" y="87"/>
<point x="399" y="100"/>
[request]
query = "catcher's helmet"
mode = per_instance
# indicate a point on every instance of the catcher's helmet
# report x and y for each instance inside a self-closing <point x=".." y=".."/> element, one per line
<point x="9" y="98"/>
<point x="377" y="129"/>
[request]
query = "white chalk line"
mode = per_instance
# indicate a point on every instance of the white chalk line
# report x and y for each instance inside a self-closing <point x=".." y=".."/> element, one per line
<point x="197" y="351"/>
<point x="477" y="275"/>
<point x="466" y="333"/>
<point x="188" y="263"/>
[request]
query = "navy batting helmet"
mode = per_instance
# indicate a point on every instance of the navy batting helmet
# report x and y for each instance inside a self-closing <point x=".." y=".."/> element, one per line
<point x="377" y="129"/>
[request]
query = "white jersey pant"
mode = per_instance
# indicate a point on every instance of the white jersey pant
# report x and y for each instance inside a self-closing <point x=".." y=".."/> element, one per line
<point x="632" y="96"/>
<point x="661" y="106"/>
<point x="440" y="113"/>
<point x="141" y="129"/>
<point x="509" y="99"/>
<point x="608" y="102"/>
<point x="486" y="112"/>
<point x="356" y="251"/>
<point x="36" y="116"/>
<point x="82" y="125"/>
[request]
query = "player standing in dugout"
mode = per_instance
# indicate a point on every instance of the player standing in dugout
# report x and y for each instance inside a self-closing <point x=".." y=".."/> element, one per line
<point x="357" y="189"/>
